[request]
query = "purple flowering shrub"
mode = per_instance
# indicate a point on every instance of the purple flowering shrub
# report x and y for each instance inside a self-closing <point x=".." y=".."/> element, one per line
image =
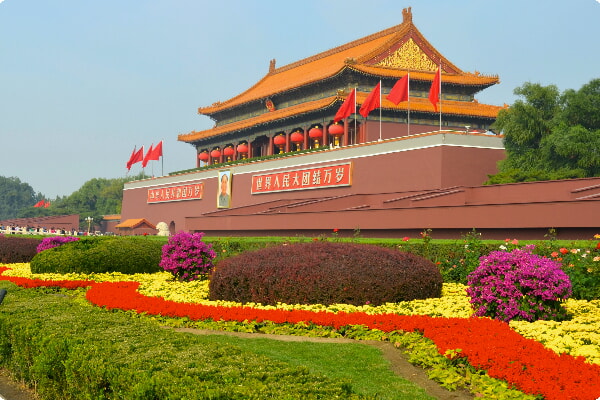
<point x="54" y="241"/>
<point x="187" y="257"/>
<point x="518" y="285"/>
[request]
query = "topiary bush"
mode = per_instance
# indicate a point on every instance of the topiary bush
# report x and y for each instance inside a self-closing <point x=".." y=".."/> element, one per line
<point x="325" y="273"/>
<point x="15" y="249"/>
<point x="187" y="257"/>
<point x="519" y="285"/>
<point x="128" y="255"/>
<point x="54" y="241"/>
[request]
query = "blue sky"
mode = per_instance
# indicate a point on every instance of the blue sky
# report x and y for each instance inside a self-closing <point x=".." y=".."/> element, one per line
<point x="82" y="82"/>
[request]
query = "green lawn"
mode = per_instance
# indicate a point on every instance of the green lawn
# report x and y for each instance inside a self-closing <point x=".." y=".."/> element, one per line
<point x="360" y="364"/>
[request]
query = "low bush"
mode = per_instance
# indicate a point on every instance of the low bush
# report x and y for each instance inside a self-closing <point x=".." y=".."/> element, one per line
<point x="15" y="249"/>
<point x="187" y="257"/>
<point x="325" y="273"/>
<point x="100" y="254"/>
<point x="71" y="351"/>
<point x="518" y="285"/>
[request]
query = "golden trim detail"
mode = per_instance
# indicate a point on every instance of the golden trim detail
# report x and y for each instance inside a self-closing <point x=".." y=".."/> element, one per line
<point x="410" y="57"/>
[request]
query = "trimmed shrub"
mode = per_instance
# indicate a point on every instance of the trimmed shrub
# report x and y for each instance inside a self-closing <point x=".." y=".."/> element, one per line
<point x="15" y="249"/>
<point x="325" y="273"/>
<point x="100" y="254"/>
<point x="187" y="257"/>
<point x="54" y="241"/>
<point x="518" y="285"/>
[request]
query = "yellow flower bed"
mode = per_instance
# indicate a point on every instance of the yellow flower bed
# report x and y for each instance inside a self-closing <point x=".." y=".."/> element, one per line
<point x="579" y="337"/>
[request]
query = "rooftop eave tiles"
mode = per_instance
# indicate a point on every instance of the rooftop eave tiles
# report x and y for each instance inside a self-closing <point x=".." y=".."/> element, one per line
<point x="472" y="109"/>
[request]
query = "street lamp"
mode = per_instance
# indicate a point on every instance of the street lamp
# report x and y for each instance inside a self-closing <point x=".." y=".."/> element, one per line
<point x="89" y="221"/>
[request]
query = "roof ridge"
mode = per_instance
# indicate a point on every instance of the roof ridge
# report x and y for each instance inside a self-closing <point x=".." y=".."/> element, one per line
<point x="338" y="49"/>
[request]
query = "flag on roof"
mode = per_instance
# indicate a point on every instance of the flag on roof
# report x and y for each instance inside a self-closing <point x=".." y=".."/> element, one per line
<point x="372" y="101"/>
<point x="399" y="92"/>
<point x="154" y="153"/>
<point x="434" y="91"/>
<point x="136" y="157"/>
<point x="347" y="108"/>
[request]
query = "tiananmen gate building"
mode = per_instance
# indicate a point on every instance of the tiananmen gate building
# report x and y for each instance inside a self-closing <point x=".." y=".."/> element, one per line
<point x="317" y="145"/>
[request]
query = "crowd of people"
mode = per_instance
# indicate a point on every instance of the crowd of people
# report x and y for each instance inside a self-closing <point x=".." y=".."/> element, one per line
<point x="29" y="230"/>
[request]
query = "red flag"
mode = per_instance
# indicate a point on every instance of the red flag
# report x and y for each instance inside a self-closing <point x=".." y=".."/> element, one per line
<point x="46" y="204"/>
<point x="153" y="154"/>
<point x="399" y="92"/>
<point x="137" y="157"/>
<point x="39" y="204"/>
<point x="147" y="157"/>
<point x="372" y="101"/>
<point x="434" y="91"/>
<point x="130" y="161"/>
<point x="157" y="151"/>
<point x="347" y="108"/>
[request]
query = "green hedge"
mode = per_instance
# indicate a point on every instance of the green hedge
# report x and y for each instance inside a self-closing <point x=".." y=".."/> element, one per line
<point x="128" y="255"/>
<point x="70" y="351"/>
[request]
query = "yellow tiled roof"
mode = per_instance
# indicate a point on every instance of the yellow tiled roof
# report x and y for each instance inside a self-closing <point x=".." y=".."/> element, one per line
<point x="416" y="104"/>
<point x="358" y="55"/>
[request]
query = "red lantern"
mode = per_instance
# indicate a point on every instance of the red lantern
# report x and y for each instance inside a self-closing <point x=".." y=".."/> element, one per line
<point x="216" y="153"/>
<point x="297" y="137"/>
<point x="279" y="140"/>
<point x="203" y="156"/>
<point x="228" y="151"/>
<point x="337" y="131"/>
<point x="242" y="148"/>
<point x="315" y="134"/>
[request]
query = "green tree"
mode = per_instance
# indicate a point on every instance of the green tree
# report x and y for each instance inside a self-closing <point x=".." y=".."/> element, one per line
<point x="15" y="196"/>
<point x="548" y="135"/>
<point x="95" y="198"/>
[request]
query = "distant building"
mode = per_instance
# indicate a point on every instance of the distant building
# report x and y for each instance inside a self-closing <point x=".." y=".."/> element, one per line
<point x="277" y="162"/>
<point x="53" y="223"/>
<point x="136" y="226"/>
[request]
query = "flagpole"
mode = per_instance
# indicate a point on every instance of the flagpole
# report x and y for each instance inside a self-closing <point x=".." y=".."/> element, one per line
<point x="355" y="133"/>
<point x="162" y="158"/>
<point x="380" y="106"/>
<point x="440" y="96"/>
<point x="408" y="112"/>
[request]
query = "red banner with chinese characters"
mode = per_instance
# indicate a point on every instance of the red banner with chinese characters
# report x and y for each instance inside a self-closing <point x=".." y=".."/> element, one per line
<point x="301" y="179"/>
<point x="176" y="193"/>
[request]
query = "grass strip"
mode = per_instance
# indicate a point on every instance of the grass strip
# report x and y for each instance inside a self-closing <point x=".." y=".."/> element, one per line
<point x="68" y="349"/>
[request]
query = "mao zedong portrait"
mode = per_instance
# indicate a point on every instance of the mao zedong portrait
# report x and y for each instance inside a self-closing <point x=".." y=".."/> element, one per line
<point x="224" y="199"/>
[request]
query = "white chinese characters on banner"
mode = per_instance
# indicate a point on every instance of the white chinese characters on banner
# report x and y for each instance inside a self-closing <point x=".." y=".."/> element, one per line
<point x="302" y="179"/>
<point x="176" y="193"/>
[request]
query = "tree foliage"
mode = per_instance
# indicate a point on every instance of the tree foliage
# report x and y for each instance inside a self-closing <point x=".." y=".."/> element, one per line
<point x="95" y="198"/>
<point x="15" y="195"/>
<point x="549" y="135"/>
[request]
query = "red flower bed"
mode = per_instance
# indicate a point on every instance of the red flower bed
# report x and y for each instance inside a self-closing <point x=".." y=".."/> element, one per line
<point x="488" y="344"/>
<point x="32" y="283"/>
